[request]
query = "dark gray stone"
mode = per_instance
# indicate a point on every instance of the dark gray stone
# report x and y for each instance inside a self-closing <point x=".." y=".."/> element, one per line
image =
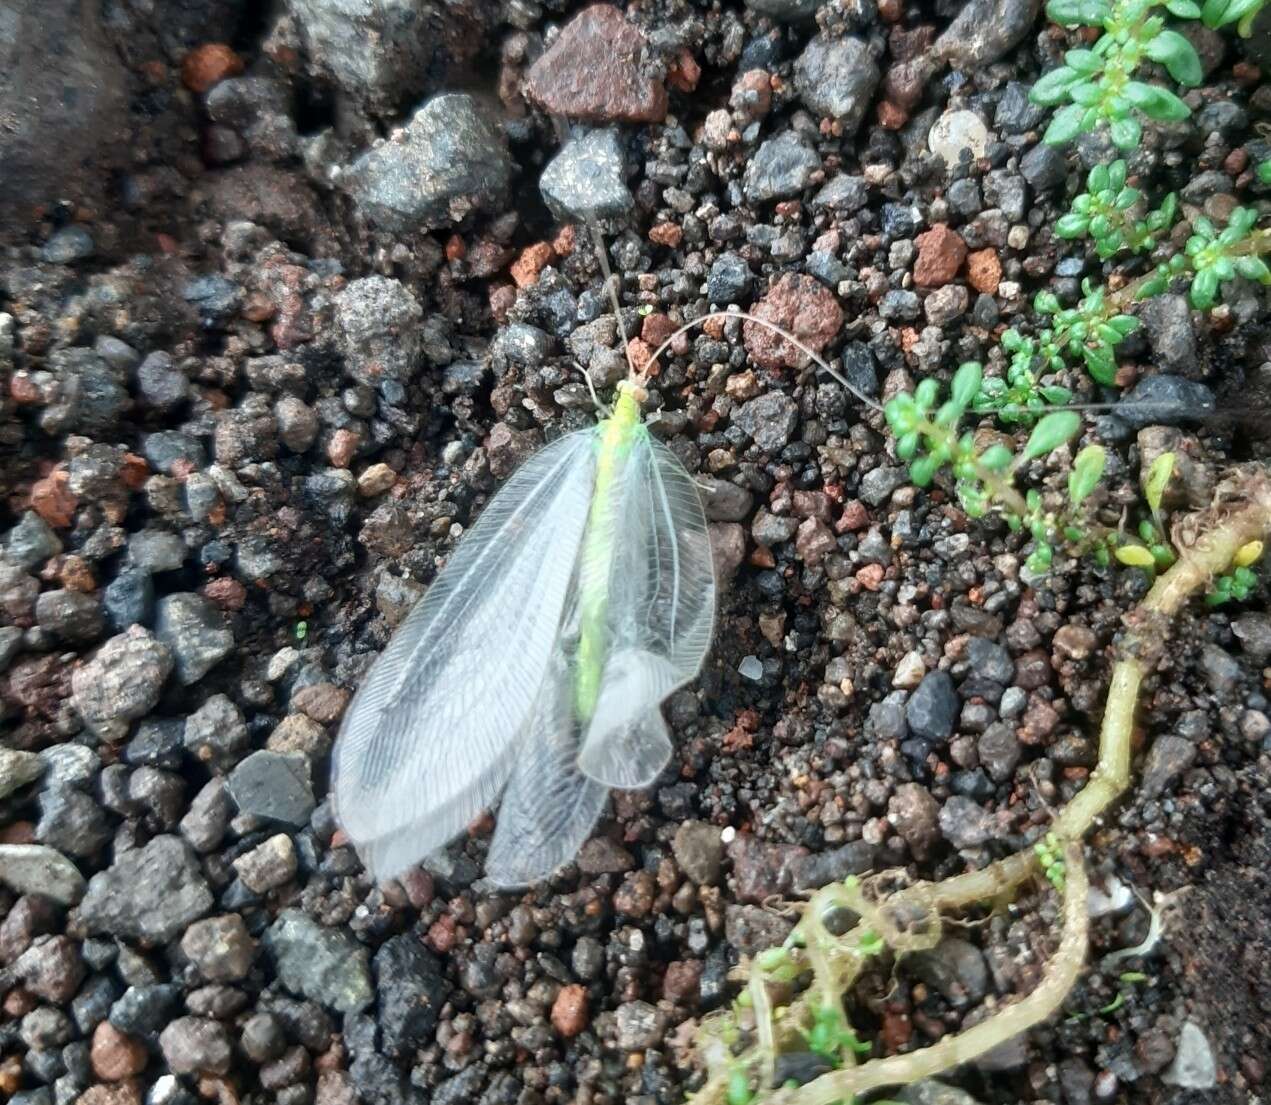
<point x="128" y="599"/>
<point x="70" y="616"/>
<point x="148" y="894"/>
<point x="1166" y="760"/>
<point x="1168" y="322"/>
<point x="31" y="542"/>
<point x="448" y="162"/>
<point x="72" y="822"/>
<point x="274" y="786"/>
<point x="836" y="77"/>
<point x="769" y="420"/>
<point x="196" y="633"/>
<point x="162" y="385"/>
<point x="164" y="448"/>
<point x="411" y="989"/>
<point x="780" y="169"/>
<point x="68" y="245"/>
<point x="1044" y="167"/>
<point x="1164" y="398"/>
<point x="785" y="11"/>
<point x="378" y="321"/>
<point x="65" y="123"/>
<point x="843" y="193"/>
<point x="326" y="965"/>
<point x="216" y="734"/>
<point x="587" y="179"/>
<point x="729" y="280"/>
<point x="986" y="30"/>
<point x="1016" y="113"/>
<point x="933" y="707"/>
<point x="900" y="305"/>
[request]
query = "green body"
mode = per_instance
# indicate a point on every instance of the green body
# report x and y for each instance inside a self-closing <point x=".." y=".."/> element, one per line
<point x="616" y="436"/>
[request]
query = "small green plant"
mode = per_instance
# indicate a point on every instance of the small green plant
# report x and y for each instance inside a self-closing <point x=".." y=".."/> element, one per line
<point x="1213" y="258"/>
<point x="1152" y="552"/>
<point x="1097" y="86"/>
<point x="1050" y="857"/>
<point x="1237" y="584"/>
<point x="1106" y="213"/>
<point x="929" y="439"/>
<point x="1263" y="172"/>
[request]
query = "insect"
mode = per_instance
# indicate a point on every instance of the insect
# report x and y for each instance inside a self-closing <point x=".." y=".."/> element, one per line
<point x="537" y="661"/>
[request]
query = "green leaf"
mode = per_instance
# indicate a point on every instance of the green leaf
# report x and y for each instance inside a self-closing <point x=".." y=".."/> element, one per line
<point x="1056" y="395"/>
<point x="1158" y="477"/>
<point x="1253" y="268"/>
<point x="1116" y="175"/>
<point x="1051" y="432"/>
<point x="738" y="1088"/>
<point x="1156" y="285"/>
<point x="1085" y="93"/>
<point x="1125" y="133"/>
<point x="907" y="446"/>
<point x="1052" y="88"/>
<point x="1047" y="303"/>
<point x="1039" y="560"/>
<point x="1072" y="225"/>
<point x="966" y="384"/>
<point x="1156" y="102"/>
<point x="1204" y="290"/>
<point x="1100" y="363"/>
<point x="1136" y="556"/>
<point x="1084" y="62"/>
<point x="925" y="394"/>
<point x="1183" y="9"/>
<point x="1124" y="324"/>
<point x="1065" y="126"/>
<point x="1067" y="13"/>
<point x="923" y="470"/>
<point x="1178" y="56"/>
<point x="1087" y="471"/>
<point x="1213" y="11"/>
<point x="995" y="457"/>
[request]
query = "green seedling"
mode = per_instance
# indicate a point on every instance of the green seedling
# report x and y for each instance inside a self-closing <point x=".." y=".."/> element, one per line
<point x="1106" y="212"/>
<point x="929" y="439"/>
<point x="1098" y="87"/>
<point x="1236" y="585"/>
<point x="1049" y="852"/>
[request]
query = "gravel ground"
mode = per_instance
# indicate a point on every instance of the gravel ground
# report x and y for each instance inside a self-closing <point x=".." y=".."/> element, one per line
<point x="287" y="290"/>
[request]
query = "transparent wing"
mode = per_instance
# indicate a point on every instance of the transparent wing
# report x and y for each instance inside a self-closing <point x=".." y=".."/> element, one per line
<point x="661" y="614"/>
<point x="549" y="807"/>
<point x="429" y="738"/>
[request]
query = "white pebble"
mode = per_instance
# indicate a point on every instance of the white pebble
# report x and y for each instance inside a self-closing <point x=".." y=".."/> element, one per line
<point x="956" y="131"/>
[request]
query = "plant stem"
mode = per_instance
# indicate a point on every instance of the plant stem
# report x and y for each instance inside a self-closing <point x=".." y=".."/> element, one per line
<point x="1061" y="972"/>
<point x="1207" y="544"/>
